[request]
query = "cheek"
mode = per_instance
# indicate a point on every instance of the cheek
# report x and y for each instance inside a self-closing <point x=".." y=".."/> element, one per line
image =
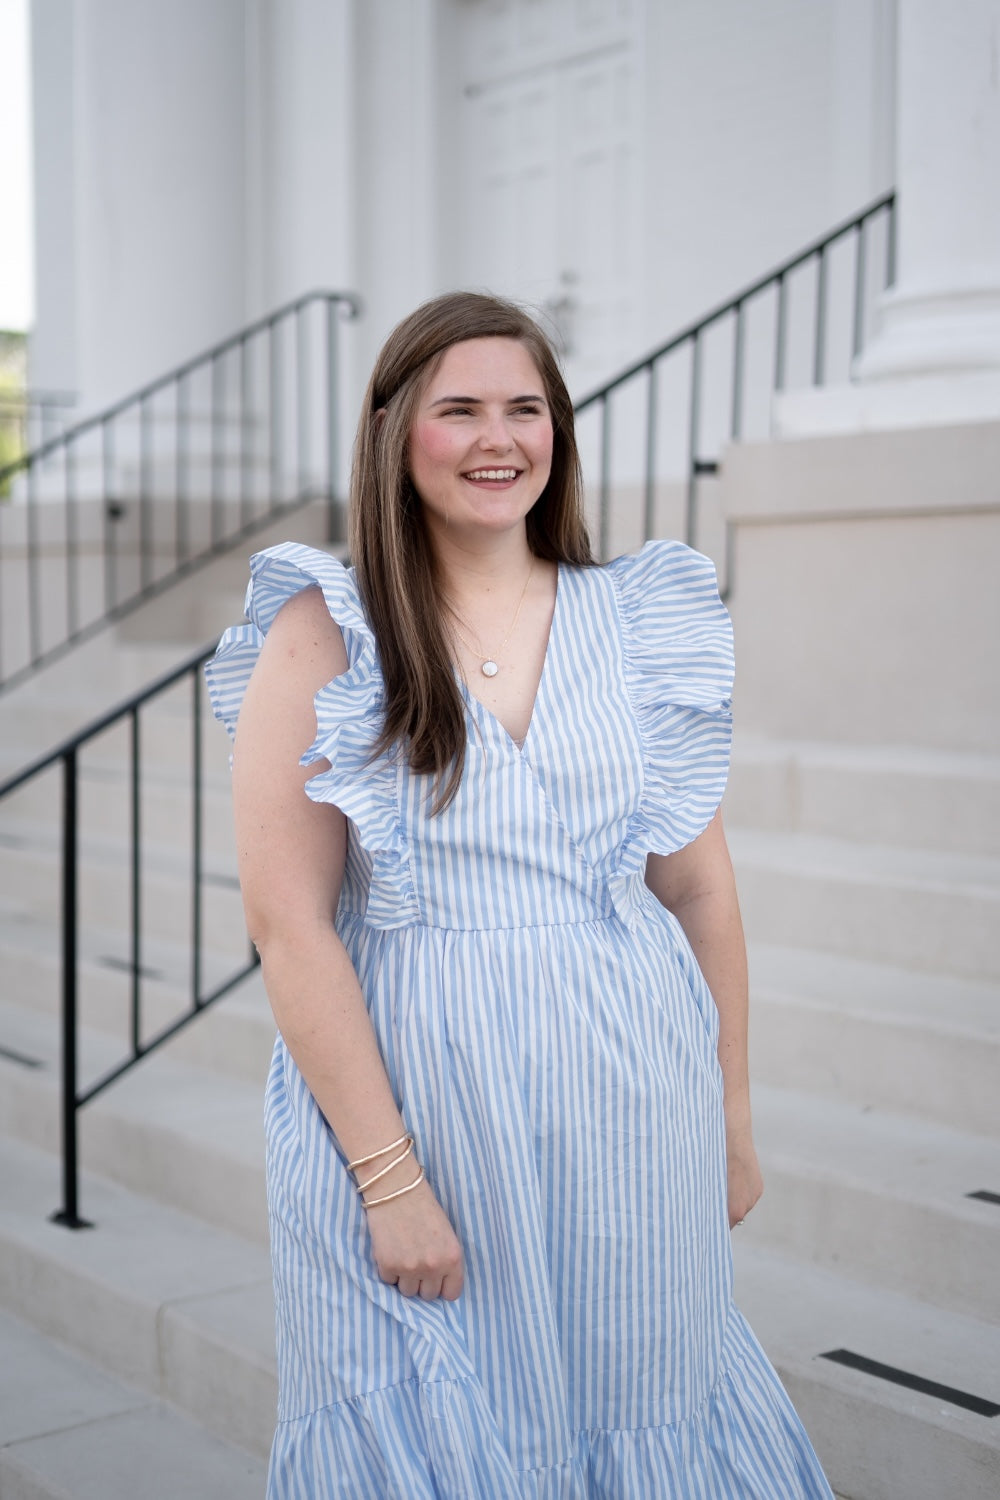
<point x="431" y="442"/>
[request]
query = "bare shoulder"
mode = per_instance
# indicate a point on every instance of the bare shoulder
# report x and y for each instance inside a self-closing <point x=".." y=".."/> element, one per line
<point x="305" y="633"/>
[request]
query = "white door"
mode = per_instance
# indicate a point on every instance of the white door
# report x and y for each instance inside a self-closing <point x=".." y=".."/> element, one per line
<point x="547" y="205"/>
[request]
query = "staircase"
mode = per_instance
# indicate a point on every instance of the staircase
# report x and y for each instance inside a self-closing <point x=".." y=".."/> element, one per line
<point x="138" y="1355"/>
<point x="117" y="509"/>
<point x="869" y="869"/>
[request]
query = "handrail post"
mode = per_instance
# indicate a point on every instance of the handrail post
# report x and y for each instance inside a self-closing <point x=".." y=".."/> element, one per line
<point x="649" y="509"/>
<point x="334" y="529"/>
<point x="197" y="839"/>
<point x="694" y="431"/>
<point x="69" y="1213"/>
<point x="604" y="517"/>
<point x="135" y="914"/>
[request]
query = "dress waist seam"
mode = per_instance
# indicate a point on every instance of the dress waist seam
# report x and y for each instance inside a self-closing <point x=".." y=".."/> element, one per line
<point x="359" y="920"/>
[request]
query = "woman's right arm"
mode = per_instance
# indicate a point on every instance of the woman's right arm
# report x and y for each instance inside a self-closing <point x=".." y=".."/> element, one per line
<point x="291" y="859"/>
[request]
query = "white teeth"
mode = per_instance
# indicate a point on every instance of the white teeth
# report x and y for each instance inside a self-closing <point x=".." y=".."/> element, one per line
<point x="492" y="474"/>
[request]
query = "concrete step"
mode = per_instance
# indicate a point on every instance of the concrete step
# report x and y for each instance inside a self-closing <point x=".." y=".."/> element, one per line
<point x="234" y="1036"/>
<point x="873" y="1035"/>
<point x="877" y="1439"/>
<point x="69" y="1431"/>
<point x="173" y="1129"/>
<point x="97" y="673"/>
<point x="158" y="1298"/>
<point x="938" y="913"/>
<point x="882" y="794"/>
<point x="881" y="1196"/>
<point x="104" y="803"/>
<point x="59" y="699"/>
<point x="30" y="875"/>
<point x="166" y="732"/>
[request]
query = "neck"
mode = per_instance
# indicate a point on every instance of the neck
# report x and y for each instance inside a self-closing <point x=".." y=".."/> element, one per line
<point x="489" y="566"/>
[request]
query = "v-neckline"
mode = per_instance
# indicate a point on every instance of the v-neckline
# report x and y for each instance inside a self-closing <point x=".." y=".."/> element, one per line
<point x="478" y="707"/>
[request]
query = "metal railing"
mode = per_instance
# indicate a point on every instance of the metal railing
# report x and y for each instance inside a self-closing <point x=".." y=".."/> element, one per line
<point x="30" y="419"/>
<point x="201" y="992"/>
<point x="803" y="323"/>
<point x="111" y="512"/>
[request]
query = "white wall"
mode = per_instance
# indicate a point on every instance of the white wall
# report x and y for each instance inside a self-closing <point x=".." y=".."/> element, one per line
<point x="17" y="292"/>
<point x="141" y="230"/>
<point x="768" y="123"/>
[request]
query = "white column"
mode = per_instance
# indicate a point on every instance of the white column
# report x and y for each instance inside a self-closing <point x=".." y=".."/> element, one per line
<point x="139" y="187"/>
<point x="397" y="201"/>
<point x="943" y="315"/>
<point x="53" y="352"/>
<point x="935" y="356"/>
<point x="300" y="148"/>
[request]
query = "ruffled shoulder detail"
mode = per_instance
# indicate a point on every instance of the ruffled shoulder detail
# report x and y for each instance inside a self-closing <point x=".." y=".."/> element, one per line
<point x="349" y="709"/>
<point x="679" y="666"/>
<point x="275" y="576"/>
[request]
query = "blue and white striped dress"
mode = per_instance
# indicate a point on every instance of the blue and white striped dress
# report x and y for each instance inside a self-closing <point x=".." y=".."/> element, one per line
<point x="551" y="1043"/>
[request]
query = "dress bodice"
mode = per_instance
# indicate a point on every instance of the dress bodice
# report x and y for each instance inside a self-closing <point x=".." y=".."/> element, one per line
<point x="626" y="751"/>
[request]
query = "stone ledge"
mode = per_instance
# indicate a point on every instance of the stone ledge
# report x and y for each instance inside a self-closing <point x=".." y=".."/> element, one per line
<point x="918" y="471"/>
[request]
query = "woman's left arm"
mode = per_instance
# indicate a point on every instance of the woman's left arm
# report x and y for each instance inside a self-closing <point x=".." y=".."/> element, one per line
<point x="697" y="885"/>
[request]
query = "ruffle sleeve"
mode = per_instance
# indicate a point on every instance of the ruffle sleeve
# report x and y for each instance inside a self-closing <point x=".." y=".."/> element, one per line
<point x="348" y="709"/>
<point x="679" y="668"/>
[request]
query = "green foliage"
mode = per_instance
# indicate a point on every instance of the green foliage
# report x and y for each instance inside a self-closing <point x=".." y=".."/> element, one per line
<point x="12" y="400"/>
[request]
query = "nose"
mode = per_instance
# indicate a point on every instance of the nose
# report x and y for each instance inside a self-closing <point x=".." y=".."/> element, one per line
<point x="495" y="433"/>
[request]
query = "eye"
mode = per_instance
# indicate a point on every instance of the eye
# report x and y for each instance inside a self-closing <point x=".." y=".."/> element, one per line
<point x="455" y="411"/>
<point x="529" y="409"/>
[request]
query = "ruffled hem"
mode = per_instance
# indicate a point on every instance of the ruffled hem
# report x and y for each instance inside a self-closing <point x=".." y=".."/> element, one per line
<point x="679" y="669"/>
<point x="436" y="1440"/>
<point x="349" y="709"/>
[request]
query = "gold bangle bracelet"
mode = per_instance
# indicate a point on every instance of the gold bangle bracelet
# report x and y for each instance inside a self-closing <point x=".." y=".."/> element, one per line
<point x="363" y="1161"/>
<point x="364" y="1186"/>
<point x="388" y="1197"/>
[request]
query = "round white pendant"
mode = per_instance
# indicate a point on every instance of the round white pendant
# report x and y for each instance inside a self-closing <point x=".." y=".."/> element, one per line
<point x="490" y="669"/>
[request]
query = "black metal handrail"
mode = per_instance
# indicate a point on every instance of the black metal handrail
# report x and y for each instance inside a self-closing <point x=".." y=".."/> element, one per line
<point x="717" y="379"/>
<point x="113" y="510"/>
<point x="199" y="998"/>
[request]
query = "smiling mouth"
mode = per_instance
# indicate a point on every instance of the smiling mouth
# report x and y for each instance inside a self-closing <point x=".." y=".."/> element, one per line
<point x="494" y="474"/>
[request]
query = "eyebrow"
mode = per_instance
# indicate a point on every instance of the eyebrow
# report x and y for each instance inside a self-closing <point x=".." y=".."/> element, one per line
<point x="477" y="400"/>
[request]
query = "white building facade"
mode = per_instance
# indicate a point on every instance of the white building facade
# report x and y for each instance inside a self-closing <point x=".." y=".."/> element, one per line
<point x="622" y="164"/>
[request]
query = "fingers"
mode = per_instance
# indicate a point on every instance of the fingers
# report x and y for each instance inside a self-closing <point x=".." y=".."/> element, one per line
<point x="451" y="1286"/>
<point x="429" y="1288"/>
<point x="425" y="1283"/>
<point x="416" y="1249"/>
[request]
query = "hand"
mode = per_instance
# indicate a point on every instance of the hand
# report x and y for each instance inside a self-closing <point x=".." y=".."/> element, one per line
<point x="415" y="1247"/>
<point x="745" y="1181"/>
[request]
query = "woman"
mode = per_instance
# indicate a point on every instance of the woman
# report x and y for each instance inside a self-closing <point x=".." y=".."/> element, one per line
<point x="476" y="786"/>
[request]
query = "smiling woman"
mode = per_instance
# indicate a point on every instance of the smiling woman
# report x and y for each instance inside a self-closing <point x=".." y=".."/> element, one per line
<point x="476" y="783"/>
<point x="479" y="462"/>
<point x="482" y="459"/>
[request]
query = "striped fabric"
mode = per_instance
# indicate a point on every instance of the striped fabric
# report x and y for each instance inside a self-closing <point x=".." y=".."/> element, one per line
<point x="551" y="1043"/>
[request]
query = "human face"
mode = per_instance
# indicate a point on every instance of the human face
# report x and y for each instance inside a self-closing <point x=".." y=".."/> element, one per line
<point x="480" y="447"/>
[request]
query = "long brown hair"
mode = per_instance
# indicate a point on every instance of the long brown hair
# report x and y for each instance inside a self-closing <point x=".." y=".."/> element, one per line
<point x="390" y="546"/>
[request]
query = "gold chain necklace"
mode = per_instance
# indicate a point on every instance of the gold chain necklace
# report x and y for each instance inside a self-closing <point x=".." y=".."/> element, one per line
<point x="489" y="665"/>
